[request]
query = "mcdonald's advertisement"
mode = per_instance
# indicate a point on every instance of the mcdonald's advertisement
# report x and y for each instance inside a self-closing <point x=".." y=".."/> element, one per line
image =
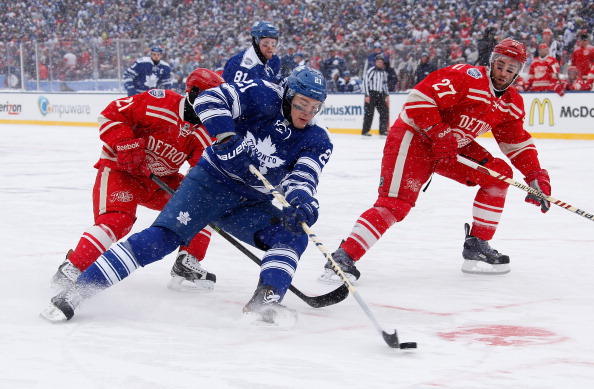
<point x="548" y="115"/>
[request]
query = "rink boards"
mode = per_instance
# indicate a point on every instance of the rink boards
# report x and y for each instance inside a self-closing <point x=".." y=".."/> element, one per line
<point x="548" y="115"/>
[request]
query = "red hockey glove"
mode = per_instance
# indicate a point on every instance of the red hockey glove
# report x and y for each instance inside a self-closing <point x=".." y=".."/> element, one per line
<point x="445" y="145"/>
<point x="560" y="89"/>
<point x="132" y="157"/>
<point x="540" y="181"/>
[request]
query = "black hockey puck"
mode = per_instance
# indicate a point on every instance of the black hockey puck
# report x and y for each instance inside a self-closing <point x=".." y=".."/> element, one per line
<point x="408" y="345"/>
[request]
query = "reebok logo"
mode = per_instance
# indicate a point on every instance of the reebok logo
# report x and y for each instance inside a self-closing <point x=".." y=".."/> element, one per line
<point x="442" y="134"/>
<point x="130" y="146"/>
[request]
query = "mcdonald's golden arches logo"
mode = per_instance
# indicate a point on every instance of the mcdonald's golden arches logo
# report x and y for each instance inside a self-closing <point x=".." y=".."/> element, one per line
<point x="546" y="103"/>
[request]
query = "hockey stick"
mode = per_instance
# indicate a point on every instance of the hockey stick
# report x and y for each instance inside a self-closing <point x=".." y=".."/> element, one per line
<point x="525" y="188"/>
<point x="331" y="298"/>
<point x="390" y="339"/>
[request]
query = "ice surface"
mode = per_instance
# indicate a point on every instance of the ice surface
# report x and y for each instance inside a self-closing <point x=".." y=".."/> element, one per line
<point x="529" y="329"/>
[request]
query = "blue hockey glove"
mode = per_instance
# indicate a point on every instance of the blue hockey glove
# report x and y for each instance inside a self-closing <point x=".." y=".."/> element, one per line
<point x="235" y="157"/>
<point x="131" y="91"/>
<point x="303" y="209"/>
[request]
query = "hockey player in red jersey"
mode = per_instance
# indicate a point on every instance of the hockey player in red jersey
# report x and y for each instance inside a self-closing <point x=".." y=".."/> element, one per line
<point x="153" y="132"/>
<point x="543" y="75"/>
<point x="440" y="120"/>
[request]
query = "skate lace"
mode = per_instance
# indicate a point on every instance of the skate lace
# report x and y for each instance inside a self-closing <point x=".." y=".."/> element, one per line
<point x="190" y="262"/>
<point x="70" y="271"/>
<point x="271" y="297"/>
<point x="484" y="247"/>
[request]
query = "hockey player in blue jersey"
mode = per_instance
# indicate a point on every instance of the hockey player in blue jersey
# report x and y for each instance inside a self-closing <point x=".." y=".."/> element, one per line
<point x="259" y="61"/>
<point x="148" y="73"/>
<point x="255" y="123"/>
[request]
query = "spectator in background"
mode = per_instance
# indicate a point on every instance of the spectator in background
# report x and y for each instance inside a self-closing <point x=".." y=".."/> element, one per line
<point x="300" y="59"/>
<point x="583" y="55"/>
<point x="333" y="62"/>
<point x="332" y="83"/>
<point x="179" y="84"/>
<point x="148" y="73"/>
<point x="375" y="87"/>
<point x="377" y="50"/>
<point x="485" y="46"/>
<point x="288" y="62"/>
<point x="574" y="82"/>
<point x="347" y="84"/>
<point x="425" y="67"/>
<point x="543" y="74"/>
<point x="406" y="72"/>
<point x="555" y="46"/>
<point x="68" y="71"/>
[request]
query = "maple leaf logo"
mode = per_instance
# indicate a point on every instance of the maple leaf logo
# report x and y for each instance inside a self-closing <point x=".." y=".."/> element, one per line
<point x="265" y="150"/>
<point x="184" y="218"/>
<point x="150" y="81"/>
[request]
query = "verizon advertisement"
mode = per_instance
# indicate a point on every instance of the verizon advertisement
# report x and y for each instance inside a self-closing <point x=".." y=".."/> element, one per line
<point x="547" y="114"/>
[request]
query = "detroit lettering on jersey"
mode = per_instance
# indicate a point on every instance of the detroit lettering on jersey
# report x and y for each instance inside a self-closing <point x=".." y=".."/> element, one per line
<point x="246" y="66"/>
<point x="253" y="111"/>
<point x="155" y="117"/>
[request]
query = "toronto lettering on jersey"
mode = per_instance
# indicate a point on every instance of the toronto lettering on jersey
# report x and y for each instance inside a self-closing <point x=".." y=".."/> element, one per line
<point x="11" y="109"/>
<point x="166" y="150"/>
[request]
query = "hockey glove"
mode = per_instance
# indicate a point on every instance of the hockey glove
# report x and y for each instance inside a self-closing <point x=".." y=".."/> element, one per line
<point x="540" y="181"/>
<point x="235" y="157"/>
<point x="132" y="157"/>
<point x="445" y="145"/>
<point x="131" y="91"/>
<point x="303" y="209"/>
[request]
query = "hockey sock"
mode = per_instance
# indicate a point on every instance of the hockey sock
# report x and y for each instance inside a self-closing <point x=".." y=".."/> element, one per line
<point x="486" y="212"/>
<point x="113" y="266"/>
<point x="94" y="241"/>
<point x="278" y="267"/>
<point x="199" y="244"/>
<point x="370" y="226"/>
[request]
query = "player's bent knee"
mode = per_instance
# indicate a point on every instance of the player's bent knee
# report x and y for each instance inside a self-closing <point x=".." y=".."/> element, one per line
<point x="119" y="223"/>
<point x="276" y="234"/>
<point x="396" y="207"/>
<point x="502" y="167"/>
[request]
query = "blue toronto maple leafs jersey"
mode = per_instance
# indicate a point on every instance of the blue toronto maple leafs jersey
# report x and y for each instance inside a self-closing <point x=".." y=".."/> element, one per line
<point x="143" y="75"/>
<point x="246" y="66"/>
<point x="253" y="110"/>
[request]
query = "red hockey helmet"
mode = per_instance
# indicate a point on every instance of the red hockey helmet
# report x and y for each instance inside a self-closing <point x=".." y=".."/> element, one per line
<point x="203" y="79"/>
<point x="512" y="49"/>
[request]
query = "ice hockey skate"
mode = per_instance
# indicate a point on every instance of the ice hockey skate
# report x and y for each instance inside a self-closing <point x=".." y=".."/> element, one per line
<point x="188" y="275"/>
<point x="480" y="258"/>
<point x="265" y="309"/>
<point x="62" y="306"/>
<point x="347" y="265"/>
<point x="66" y="275"/>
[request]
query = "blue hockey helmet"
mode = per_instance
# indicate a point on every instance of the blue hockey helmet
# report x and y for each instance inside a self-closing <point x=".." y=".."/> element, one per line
<point x="307" y="82"/>
<point x="264" y="29"/>
<point x="156" y="49"/>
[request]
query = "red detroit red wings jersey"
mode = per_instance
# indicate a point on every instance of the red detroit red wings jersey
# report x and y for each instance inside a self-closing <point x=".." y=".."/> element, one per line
<point x="461" y="96"/>
<point x="156" y="116"/>
<point x="541" y="75"/>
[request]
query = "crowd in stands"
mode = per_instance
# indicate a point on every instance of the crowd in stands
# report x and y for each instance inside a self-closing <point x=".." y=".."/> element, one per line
<point x="207" y="32"/>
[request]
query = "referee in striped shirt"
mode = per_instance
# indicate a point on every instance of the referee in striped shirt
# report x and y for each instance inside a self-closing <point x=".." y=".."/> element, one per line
<point x="375" y="87"/>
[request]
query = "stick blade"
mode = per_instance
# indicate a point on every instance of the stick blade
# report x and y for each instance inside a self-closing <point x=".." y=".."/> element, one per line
<point x="391" y="339"/>
<point x="331" y="298"/>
